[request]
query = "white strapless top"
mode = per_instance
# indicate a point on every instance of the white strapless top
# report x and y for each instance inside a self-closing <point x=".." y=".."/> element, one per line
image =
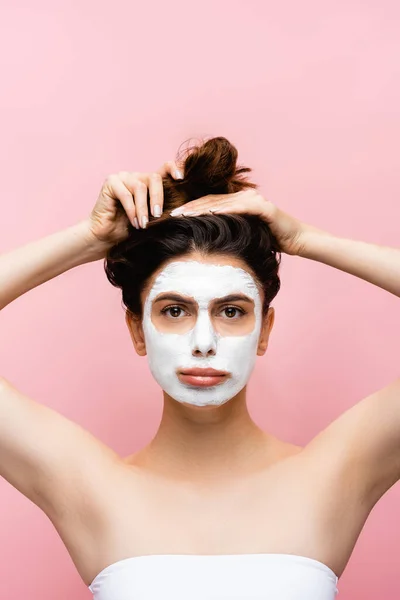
<point x="216" y="577"/>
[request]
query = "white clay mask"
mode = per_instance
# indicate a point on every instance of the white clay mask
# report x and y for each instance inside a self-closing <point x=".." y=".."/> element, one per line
<point x="203" y="344"/>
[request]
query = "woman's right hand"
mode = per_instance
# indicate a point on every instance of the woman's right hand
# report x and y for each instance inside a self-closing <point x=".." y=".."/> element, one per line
<point x="123" y="198"/>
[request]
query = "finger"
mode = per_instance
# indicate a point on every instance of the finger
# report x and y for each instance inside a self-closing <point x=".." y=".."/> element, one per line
<point x="214" y="209"/>
<point x="140" y="196"/>
<point x="237" y="208"/>
<point x="171" y="168"/>
<point x="125" y="197"/>
<point x="200" y="204"/>
<point x="192" y="205"/>
<point x="215" y="203"/>
<point x="156" y="194"/>
<point x="139" y="190"/>
<point x="228" y="207"/>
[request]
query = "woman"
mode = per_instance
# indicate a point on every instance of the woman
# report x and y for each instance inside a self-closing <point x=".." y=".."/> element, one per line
<point x="212" y="507"/>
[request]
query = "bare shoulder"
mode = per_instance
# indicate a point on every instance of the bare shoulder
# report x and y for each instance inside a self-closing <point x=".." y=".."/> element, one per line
<point x="60" y="466"/>
<point x="363" y="444"/>
<point x="79" y="509"/>
<point x="43" y="454"/>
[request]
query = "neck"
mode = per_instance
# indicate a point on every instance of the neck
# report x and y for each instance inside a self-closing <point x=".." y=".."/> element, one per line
<point x="210" y="442"/>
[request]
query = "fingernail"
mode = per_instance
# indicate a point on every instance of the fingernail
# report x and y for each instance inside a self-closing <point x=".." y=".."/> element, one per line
<point x="157" y="210"/>
<point x="136" y="223"/>
<point x="175" y="212"/>
<point x="178" y="174"/>
<point x="144" y="222"/>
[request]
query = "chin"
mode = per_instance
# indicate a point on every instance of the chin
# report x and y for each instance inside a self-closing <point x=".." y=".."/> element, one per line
<point x="201" y="407"/>
<point x="208" y="405"/>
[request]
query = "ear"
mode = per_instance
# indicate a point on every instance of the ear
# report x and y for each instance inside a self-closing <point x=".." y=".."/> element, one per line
<point x="266" y="327"/>
<point x="136" y="330"/>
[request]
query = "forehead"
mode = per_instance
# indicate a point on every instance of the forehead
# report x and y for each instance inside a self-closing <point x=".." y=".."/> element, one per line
<point x="203" y="280"/>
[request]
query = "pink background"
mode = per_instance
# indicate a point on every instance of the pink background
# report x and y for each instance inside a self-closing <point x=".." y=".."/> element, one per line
<point x="310" y="94"/>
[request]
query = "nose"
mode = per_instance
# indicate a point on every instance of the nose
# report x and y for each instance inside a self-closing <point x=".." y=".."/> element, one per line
<point x="204" y="337"/>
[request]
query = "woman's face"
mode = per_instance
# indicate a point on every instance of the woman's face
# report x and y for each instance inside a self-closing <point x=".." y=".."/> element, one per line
<point x="202" y="323"/>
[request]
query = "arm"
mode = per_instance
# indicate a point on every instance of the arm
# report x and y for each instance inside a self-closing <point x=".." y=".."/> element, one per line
<point x="25" y="268"/>
<point x="378" y="265"/>
<point x="38" y="445"/>
<point x="367" y="436"/>
<point x="33" y="264"/>
<point x="45" y="456"/>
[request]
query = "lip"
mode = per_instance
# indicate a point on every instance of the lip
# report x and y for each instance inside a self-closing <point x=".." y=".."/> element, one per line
<point x="201" y="372"/>
<point x="202" y="377"/>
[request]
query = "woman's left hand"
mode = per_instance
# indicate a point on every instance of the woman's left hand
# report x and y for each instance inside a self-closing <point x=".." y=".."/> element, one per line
<point x="288" y="231"/>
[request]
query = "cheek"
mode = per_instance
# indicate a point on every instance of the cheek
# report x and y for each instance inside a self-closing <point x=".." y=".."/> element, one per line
<point x="241" y="326"/>
<point x="164" y="346"/>
<point x="164" y="324"/>
<point x="241" y="346"/>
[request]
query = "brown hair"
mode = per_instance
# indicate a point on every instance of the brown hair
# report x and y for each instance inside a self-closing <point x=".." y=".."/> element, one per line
<point x="209" y="168"/>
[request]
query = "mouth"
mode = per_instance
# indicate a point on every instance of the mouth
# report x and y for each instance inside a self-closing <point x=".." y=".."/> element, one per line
<point x="202" y="377"/>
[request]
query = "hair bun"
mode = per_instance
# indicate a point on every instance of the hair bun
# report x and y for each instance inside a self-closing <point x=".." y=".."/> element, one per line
<point x="211" y="168"/>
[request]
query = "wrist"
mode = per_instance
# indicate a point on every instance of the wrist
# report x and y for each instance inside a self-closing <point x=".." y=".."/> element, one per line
<point x="93" y="248"/>
<point x="311" y="240"/>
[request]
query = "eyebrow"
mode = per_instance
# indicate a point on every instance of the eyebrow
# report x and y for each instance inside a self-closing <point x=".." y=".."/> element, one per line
<point x="187" y="300"/>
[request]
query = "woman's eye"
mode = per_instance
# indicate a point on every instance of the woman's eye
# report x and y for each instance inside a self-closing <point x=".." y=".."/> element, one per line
<point x="173" y="311"/>
<point x="232" y="311"/>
